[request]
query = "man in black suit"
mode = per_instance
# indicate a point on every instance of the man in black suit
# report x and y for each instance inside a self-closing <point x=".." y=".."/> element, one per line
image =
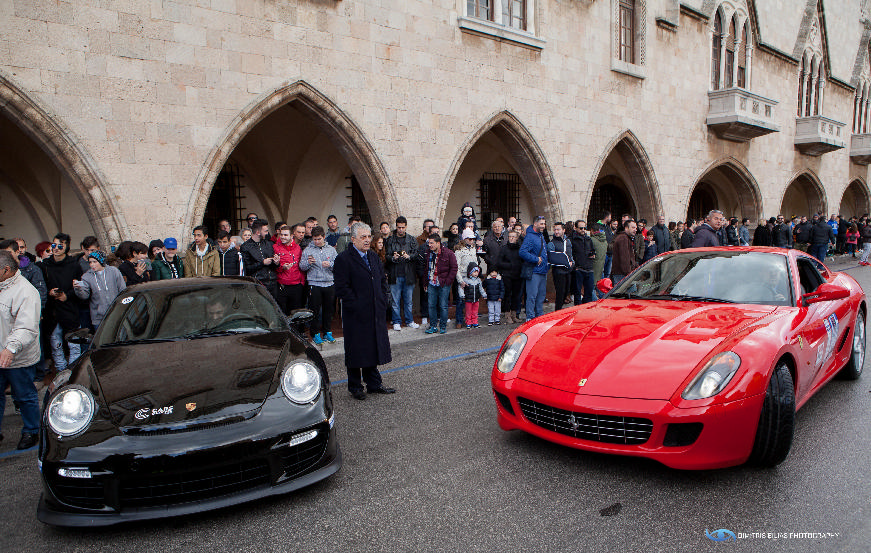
<point x="361" y="284"/>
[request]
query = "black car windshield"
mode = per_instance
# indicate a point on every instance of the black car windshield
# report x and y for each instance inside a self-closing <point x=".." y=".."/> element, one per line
<point x="722" y="276"/>
<point x="188" y="312"/>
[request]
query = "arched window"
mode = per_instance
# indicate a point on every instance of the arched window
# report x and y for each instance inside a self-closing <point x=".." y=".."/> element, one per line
<point x="730" y="55"/>
<point x="808" y="88"/>
<point x="716" y="45"/>
<point x="742" y="58"/>
<point x="802" y="80"/>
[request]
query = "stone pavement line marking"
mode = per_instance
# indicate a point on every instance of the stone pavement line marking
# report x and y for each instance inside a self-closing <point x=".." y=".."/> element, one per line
<point x="423" y="363"/>
<point x="336" y="382"/>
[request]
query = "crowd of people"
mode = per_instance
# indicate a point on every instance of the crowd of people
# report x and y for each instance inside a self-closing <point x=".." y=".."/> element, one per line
<point x="504" y="267"/>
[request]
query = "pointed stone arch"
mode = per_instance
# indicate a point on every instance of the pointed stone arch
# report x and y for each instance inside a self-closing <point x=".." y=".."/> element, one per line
<point x="68" y="154"/>
<point x="732" y="187"/>
<point x="804" y="193"/>
<point x="526" y="156"/>
<point x="856" y="199"/>
<point x="341" y="130"/>
<point x="642" y="187"/>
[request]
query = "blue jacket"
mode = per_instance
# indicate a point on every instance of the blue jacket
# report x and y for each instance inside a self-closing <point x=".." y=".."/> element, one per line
<point x="534" y="247"/>
<point x="495" y="288"/>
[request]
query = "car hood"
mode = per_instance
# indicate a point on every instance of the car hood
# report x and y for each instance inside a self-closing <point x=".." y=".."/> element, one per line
<point x="185" y="380"/>
<point x="631" y="348"/>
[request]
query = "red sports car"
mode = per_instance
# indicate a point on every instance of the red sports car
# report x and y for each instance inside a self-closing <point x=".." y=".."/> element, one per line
<point x="698" y="359"/>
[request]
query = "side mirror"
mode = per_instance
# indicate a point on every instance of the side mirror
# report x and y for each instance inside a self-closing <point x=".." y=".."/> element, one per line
<point x="825" y="292"/>
<point x="604" y="285"/>
<point x="300" y="316"/>
<point x="81" y="336"/>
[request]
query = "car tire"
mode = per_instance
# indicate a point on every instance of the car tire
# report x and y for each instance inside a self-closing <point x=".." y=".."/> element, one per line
<point x="853" y="369"/>
<point x="776" y="421"/>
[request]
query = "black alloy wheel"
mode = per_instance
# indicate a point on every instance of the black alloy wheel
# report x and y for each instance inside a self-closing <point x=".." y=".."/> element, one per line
<point x="776" y="421"/>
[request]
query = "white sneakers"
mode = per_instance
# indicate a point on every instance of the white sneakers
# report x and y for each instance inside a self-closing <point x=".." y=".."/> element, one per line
<point x="423" y="322"/>
<point x="413" y="324"/>
<point x="396" y="327"/>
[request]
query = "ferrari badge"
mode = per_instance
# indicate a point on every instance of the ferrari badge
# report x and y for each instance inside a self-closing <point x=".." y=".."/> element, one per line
<point x="583" y="382"/>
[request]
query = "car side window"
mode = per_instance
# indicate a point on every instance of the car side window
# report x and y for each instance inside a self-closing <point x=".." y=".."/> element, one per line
<point x="809" y="276"/>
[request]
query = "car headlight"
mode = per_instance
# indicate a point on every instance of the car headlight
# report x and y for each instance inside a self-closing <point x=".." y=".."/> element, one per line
<point x="70" y="411"/>
<point x="301" y="382"/>
<point x="511" y="353"/>
<point x="713" y="378"/>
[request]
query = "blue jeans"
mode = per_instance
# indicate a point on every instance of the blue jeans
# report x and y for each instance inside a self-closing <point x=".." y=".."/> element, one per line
<point x="819" y="251"/>
<point x="57" y="349"/>
<point x="24" y="394"/>
<point x="438" y="306"/>
<point x="535" y="290"/>
<point x="461" y="310"/>
<point x="606" y="271"/>
<point x="402" y="291"/>
<point x="584" y="280"/>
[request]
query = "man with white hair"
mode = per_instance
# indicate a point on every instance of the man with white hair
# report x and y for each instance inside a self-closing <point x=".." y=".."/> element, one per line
<point x="361" y="284"/>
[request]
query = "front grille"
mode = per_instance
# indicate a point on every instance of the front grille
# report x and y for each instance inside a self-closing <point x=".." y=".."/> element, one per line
<point x="155" y="430"/>
<point x="299" y="458"/>
<point x="586" y="426"/>
<point x="78" y="492"/>
<point x="193" y="485"/>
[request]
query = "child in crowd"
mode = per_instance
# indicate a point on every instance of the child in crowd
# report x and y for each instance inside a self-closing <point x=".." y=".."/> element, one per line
<point x="317" y="262"/>
<point x="495" y="290"/>
<point x="472" y="292"/>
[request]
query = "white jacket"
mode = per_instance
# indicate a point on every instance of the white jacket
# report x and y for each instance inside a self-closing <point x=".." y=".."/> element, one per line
<point x="20" y="309"/>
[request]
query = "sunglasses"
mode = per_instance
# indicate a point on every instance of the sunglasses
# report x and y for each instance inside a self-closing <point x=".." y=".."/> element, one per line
<point x="582" y="228"/>
<point x="57" y="246"/>
<point x="252" y="218"/>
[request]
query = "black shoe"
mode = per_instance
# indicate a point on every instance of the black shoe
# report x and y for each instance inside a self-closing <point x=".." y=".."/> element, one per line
<point x="27" y="441"/>
<point x="359" y="394"/>
<point x="382" y="390"/>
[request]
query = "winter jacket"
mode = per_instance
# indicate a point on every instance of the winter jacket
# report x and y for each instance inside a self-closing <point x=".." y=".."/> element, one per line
<point x="705" y="237"/>
<point x="495" y="288"/>
<point x="686" y="239"/>
<point x="19" y="320"/>
<point x="60" y="275"/>
<point x="675" y="239"/>
<point x="822" y="233"/>
<point x="290" y="253"/>
<point x="465" y="255"/>
<point x="400" y="267"/>
<point x="473" y="291"/>
<point x="33" y="274"/>
<point x="802" y="232"/>
<point x="732" y="235"/>
<point x="534" y="246"/>
<point x="781" y="237"/>
<point x="583" y="252"/>
<point x="207" y="265"/>
<point x="509" y="263"/>
<point x="492" y="245"/>
<point x="623" y="259"/>
<point x="100" y="288"/>
<point x="445" y="267"/>
<point x="559" y="255"/>
<point x="253" y="254"/>
<point x="661" y="238"/>
<point x="461" y="221"/>
<point x="762" y="236"/>
<point x="600" y="245"/>
<point x="743" y="235"/>
<point x="651" y="251"/>
<point x="315" y="273"/>
<point x="164" y="270"/>
<point x="231" y="262"/>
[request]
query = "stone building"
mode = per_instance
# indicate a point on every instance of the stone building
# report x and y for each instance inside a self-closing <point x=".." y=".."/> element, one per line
<point x="142" y="118"/>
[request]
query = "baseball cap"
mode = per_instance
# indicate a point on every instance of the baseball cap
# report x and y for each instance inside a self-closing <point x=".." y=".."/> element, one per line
<point x="170" y="243"/>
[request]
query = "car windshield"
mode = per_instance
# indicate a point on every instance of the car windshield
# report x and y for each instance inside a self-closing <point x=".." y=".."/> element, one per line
<point x="721" y="276"/>
<point x="188" y="312"/>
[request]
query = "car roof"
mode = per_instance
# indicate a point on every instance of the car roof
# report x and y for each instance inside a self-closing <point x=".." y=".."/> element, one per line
<point x="196" y="282"/>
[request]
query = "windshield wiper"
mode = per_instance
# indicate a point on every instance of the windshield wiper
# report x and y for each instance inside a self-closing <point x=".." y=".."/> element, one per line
<point x="685" y="297"/>
<point x="627" y="295"/>
<point x="143" y="341"/>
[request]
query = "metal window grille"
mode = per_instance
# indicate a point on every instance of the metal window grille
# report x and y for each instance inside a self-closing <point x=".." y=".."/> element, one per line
<point x="226" y="200"/>
<point x="608" y="196"/>
<point x="358" y="206"/>
<point x="500" y="197"/>
<point x="702" y="201"/>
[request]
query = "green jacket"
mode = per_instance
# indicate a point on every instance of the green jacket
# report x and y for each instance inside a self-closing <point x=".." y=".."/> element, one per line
<point x="600" y="244"/>
<point x="163" y="270"/>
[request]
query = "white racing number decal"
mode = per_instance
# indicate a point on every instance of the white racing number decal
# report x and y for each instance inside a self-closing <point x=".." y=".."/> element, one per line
<point x="143" y="414"/>
<point x="127" y="300"/>
<point x="831" y="324"/>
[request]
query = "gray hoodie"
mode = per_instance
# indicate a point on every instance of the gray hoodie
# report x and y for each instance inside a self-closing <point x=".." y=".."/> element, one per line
<point x="315" y="273"/>
<point x="101" y="287"/>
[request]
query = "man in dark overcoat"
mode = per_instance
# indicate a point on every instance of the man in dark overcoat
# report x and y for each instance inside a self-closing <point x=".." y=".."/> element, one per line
<point x="361" y="284"/>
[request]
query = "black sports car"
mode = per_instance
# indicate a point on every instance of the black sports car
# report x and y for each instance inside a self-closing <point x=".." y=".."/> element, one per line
<point x="196" y="394"/>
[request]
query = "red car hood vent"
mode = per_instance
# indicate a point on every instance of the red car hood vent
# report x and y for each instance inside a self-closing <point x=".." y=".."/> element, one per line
<point x="188" y="381"/>
<point x="633" y="349"/>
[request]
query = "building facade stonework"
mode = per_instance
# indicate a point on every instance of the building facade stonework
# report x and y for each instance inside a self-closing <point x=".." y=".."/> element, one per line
<point x="138" y="119"/>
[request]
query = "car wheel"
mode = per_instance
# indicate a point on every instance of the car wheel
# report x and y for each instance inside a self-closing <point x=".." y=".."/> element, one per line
<point x="776" y="421"/>
<point x="853" y="369"/>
